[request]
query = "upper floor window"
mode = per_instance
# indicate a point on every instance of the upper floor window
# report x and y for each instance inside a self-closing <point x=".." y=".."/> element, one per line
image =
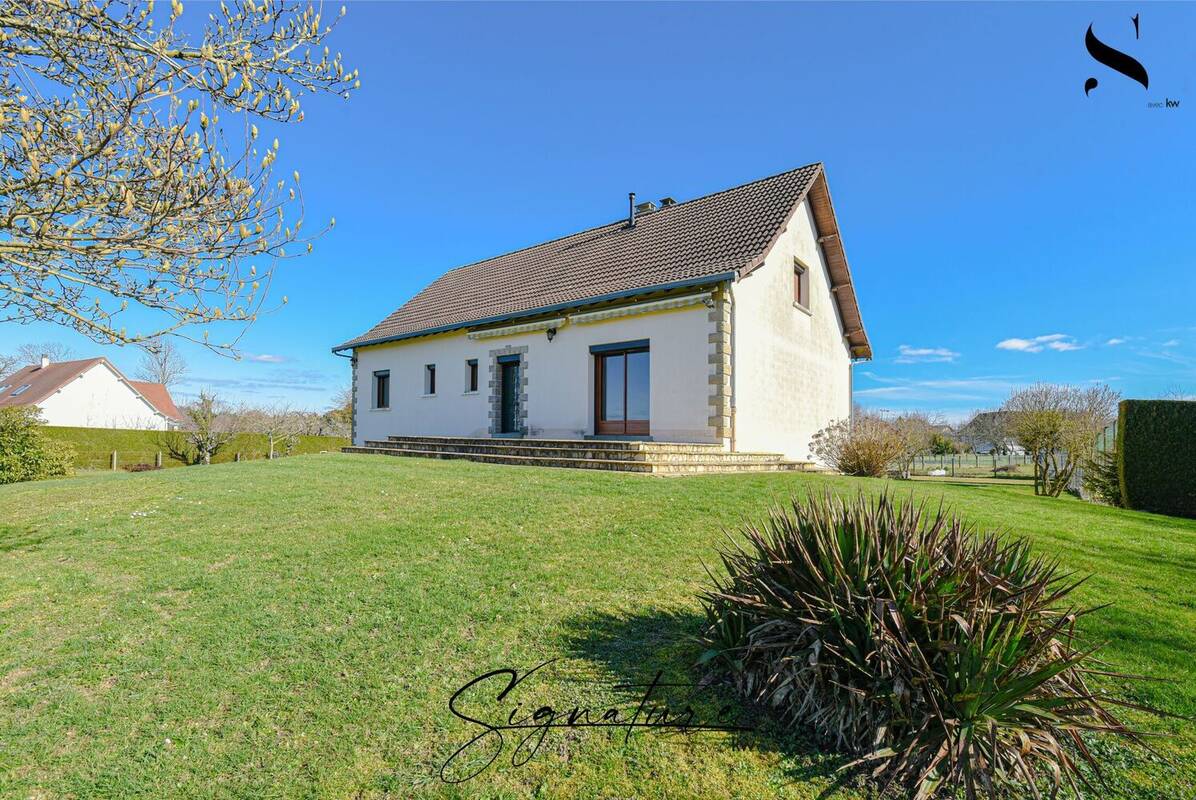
<point x="801" y="284"/>
<point x="471" y="375"/>
<point x="382" y="388"/>
<point x="429" y="379"/>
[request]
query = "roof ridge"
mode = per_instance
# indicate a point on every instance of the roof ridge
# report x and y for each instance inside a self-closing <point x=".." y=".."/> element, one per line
<point x="621" y="220"/>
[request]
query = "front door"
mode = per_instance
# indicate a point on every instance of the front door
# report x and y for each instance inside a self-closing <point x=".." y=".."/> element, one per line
<point x="509" y="382"/>
<point x="622" y="396"/>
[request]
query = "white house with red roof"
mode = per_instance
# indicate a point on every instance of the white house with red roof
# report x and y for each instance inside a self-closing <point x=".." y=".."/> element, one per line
<point x="89" y="393"/>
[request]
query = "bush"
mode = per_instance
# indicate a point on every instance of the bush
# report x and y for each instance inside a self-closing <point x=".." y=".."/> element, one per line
<point x="1101" y="479"/>
<point x="26" y="454"/>
<point x="1156" y="446"/>
<point x="938" y="656"/>
<point x="865" y="446"/>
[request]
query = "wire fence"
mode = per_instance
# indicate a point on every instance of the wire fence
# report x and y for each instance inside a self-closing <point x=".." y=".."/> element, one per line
<point x="1008" y="465"/>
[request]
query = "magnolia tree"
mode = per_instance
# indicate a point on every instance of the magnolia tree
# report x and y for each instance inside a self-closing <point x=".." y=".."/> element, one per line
<point x="120" y="186"/>
<point x="1058" y="425"/>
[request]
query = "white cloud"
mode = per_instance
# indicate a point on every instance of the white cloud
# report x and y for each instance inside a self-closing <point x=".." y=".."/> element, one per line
<point x="265" y="358"/>
<point x="1171" y="343"/>
<point x="917" y="355"/>
<point x="1061" y="342"/>
<point x="1115" y="341"/>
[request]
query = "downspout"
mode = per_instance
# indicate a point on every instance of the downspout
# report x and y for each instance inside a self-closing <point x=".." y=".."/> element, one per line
<point x="352" y="356"/>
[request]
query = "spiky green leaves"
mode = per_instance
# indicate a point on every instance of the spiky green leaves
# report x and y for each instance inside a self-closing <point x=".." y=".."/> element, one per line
<point x="941" y="657"/>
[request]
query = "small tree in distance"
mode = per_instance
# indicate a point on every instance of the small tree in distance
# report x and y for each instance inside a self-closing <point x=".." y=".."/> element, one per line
<point x="162" y="363"/>
<point x="209" y="425"/>
<point x="281" y="426"/>
<point x="1058" y="425"/>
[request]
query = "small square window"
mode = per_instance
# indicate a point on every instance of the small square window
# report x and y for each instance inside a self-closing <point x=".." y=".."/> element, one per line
<point x="382" y="389"/>
<point x="471" y="375"/>
<point x="429" y="379"/>
<point x="801" y="285"/>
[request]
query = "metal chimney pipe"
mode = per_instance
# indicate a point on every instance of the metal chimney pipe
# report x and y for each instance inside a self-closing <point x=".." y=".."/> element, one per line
<point x="631" y="209"/>
<point x="45" y="361"/>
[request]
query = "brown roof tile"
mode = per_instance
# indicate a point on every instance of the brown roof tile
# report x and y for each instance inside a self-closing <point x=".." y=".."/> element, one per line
<point x="726" y="232"/>
<point x="159" y="397"/>
<point x="41" y="382"/>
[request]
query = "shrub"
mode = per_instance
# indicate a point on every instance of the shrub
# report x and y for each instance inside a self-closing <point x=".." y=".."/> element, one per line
<point x="1156" y="457"/>
<point x="1101" y="479"/>
<point x="939" y="656"/>
<point x="865" y="446"/>
<point x="26" y="454"/>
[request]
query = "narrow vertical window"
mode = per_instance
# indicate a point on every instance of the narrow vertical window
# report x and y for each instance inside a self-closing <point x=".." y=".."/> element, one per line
<point x="471" y="375"/>
<point x="382" y="389"/>
<point x="429" y="379"/>
<point x="801" y="285"/>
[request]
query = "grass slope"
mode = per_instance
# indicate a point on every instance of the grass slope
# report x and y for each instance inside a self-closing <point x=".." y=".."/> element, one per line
<point x="295" y="628"/>
<point x="94" y="446"/>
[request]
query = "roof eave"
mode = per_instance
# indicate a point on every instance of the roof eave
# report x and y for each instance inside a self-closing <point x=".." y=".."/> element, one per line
<point x="719" y="277"/>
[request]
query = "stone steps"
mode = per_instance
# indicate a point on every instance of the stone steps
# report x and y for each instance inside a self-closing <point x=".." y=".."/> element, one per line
<point x="579" y="450"/>
<point x="654" y="458"/>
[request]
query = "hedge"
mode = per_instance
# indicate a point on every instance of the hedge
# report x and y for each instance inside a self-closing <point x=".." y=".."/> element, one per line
<point x="94" y="446"/>
<point x="1156" y="454"/>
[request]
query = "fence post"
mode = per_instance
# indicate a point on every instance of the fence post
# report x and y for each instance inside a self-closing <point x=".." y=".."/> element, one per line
<point x="113" y="461"/>
<point x="158" y="460"/>
<point x="237" y="457"/>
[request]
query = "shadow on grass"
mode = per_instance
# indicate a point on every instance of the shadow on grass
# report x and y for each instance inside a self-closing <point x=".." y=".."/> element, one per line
<point x="13" y="538"/>
<point x="633" y="648"/>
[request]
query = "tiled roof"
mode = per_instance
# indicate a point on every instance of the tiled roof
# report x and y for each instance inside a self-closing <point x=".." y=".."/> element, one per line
<point x="42" y="382"/>
<point x="727" y="232"/>
<point x="159" y="397"/>
<point x="45" y="381"/>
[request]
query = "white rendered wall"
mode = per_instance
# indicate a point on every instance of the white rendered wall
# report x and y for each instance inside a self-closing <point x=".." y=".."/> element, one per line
<point x="560" y="377"/>
<point x="790" y="369"/>
<point x="99" y="399"/>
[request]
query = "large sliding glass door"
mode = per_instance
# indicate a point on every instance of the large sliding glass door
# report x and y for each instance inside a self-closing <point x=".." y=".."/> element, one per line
<point x="622" y="393"/>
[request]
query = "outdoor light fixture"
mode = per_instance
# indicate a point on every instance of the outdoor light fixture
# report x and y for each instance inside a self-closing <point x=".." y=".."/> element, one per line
<point x="550" y="333"/>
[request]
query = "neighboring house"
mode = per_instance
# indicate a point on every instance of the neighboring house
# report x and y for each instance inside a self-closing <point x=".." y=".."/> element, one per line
<point x="985" y="433"/>
<point x="728" y="319"/>
<point x="90" y="393"/>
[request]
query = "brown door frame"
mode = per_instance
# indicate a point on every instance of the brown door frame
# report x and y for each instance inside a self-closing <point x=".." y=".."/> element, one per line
<point x="622" y="427"/>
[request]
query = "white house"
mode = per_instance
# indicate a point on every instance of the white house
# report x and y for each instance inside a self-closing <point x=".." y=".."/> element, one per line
<point x="90" y="393"/>
<point x="730" y="319"/>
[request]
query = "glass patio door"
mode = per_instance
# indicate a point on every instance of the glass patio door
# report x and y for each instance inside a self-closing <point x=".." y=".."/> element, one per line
<point x="622" y="389"/>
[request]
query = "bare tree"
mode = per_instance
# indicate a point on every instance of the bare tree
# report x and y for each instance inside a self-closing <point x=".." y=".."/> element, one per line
<point x="280" y="425"/>
<point x="118" y="185"/>
<point x="208" y="426"/>
<point x="1058" y="425"/>
<point x="914" y="431"/>
<point x="162" y="363"/>
<point x="32" y="352"/>
<point x="9" y="364"/>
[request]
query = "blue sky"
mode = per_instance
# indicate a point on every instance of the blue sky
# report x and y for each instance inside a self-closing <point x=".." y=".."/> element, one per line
<point x="1002" y="227"/>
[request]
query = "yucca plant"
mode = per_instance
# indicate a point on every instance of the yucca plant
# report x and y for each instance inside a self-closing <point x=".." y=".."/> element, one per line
<point x="944" y="658"/>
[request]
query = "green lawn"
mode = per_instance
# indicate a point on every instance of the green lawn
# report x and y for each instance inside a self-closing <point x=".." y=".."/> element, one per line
<point x="296" y="628"/>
